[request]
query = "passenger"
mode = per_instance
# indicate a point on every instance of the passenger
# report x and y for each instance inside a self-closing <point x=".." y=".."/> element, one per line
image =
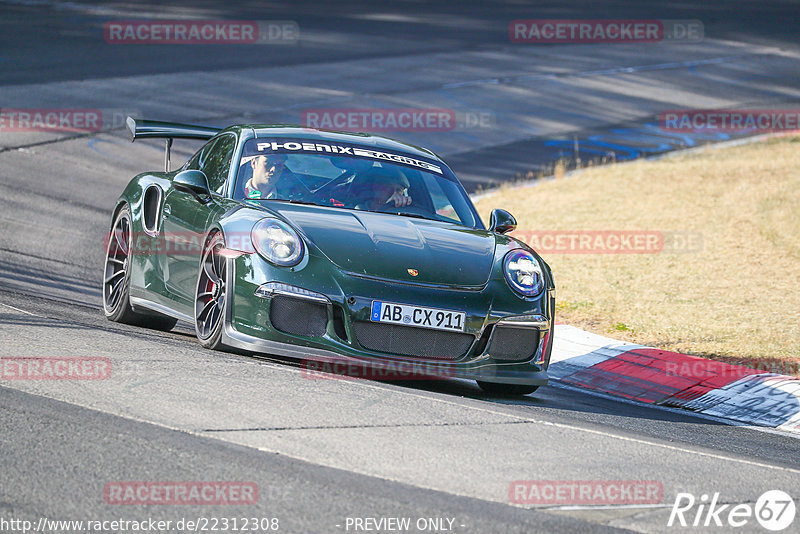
<point x="381" y="188"/>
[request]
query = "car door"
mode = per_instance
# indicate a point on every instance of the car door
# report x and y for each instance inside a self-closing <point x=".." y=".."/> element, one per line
<point x="185" y="217"/>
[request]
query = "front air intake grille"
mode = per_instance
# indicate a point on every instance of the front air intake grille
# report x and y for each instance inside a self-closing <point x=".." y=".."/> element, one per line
<point x="297" y="316"/>
<point x="513" y="344"/>
<point x="412" y="341"/>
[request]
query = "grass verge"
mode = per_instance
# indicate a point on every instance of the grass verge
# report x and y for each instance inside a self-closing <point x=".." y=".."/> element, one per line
<point x="734" y="298"/>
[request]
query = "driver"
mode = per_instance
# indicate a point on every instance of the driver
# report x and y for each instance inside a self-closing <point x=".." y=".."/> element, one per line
<point x="382" y="188"/>
<point x="271" y="179"/>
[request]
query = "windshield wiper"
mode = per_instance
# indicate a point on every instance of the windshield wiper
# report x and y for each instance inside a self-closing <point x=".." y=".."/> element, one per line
<point x="407" y="214"/>
<point x="291" y="201"/>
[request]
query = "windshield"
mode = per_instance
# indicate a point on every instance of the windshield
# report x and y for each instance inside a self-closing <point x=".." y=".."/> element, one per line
<point x="350" y="177"/>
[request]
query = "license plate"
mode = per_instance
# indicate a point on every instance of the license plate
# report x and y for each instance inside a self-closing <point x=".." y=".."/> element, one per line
<point x="405" y="314"/>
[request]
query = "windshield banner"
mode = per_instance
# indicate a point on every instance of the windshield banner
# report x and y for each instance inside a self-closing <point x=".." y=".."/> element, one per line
<point x="288" y="146"/>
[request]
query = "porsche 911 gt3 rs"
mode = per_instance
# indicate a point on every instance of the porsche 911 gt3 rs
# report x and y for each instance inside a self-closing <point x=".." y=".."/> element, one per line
<point x="328" y="246"/>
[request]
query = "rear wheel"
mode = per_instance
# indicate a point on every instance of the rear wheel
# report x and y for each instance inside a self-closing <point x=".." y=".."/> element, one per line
<point x="506" y="389"/>
<point x="117" y="278"/>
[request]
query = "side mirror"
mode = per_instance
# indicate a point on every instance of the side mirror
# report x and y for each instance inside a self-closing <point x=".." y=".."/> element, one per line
<point x="502" y="222"/>
<point x="192" y="181"/>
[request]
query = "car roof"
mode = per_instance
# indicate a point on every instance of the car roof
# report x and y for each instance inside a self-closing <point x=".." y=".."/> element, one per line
<point x="376" y="141"/>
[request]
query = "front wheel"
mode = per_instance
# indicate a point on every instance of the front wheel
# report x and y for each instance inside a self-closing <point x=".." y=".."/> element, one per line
<point x="506" y="389"/>
<point x="210" y="295"/>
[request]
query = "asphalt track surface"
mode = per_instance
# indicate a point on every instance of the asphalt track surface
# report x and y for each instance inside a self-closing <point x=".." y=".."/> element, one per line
<point x="325" y="450"/>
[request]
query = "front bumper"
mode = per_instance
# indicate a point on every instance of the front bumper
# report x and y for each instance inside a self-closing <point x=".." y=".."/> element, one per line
<point x="347" y="300"/>
<point x="380" y="364"/>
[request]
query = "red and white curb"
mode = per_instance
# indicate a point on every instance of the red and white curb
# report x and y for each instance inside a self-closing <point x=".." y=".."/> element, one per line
<point x="664" y="378"/>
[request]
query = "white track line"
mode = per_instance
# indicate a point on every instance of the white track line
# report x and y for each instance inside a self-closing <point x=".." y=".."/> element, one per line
<point x="615" y="436"/>
<point x="573" y="507"/>
<point x="22" y="311"/>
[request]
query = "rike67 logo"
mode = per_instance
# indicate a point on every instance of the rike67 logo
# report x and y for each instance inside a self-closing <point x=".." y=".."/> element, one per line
<point x="774" y="510"/>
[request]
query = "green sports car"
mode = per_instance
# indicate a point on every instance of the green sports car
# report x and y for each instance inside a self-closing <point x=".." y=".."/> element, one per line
<point x="330" y="247"/>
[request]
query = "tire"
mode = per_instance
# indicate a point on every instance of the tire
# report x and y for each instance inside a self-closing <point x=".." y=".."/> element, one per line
<point x="117" y="279"/>
<point x="507" y="390"/>
<point x="210" y="295"/>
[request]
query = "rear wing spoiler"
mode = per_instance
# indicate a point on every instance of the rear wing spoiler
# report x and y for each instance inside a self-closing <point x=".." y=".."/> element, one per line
<point x="142" y="129"/>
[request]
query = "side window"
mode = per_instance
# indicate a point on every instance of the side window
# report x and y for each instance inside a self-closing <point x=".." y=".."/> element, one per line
<point x="217" y="162"/>
<point x="214" y="159"/>
<point x="195" y="162"/>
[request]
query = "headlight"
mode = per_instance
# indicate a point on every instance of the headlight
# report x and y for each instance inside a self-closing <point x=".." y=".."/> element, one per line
<point x="277" y="242"/>
<point x="523" y="273"/>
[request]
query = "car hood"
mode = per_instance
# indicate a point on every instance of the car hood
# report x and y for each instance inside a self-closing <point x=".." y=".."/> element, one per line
<point x="396" y="247"/>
